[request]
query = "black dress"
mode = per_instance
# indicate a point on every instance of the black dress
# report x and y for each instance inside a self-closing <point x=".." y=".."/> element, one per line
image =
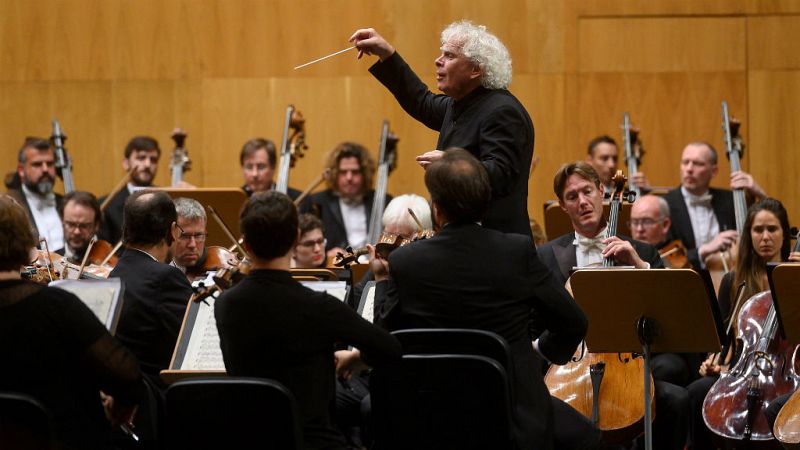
<point x="55" y="349"/>
<point x="271" y="326"/>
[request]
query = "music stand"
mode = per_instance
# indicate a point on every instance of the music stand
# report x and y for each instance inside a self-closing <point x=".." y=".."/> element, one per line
<point x="226" y="201"/>
<point x="656" y="311"/>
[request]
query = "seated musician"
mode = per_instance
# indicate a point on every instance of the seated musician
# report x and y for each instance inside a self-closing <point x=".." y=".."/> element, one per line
<point x="271" y="326"/>
<point x="56" y="350"/>
<point x="580" y="194"/>
<point x="141" y="154"/>
<point x="190" y="247"/>
<point x="702" y="216"/>
<point x="309" y="253"/>
<point x="156" y="293"/>
<point x="37" y="174"/>
<point x="496" y="276"/>
<point x="257" y="159"/>
<point x="765" y="238"/>
<point x="81" y="218"/>
<point x="603" y="156"/>
<point x="345" y="206"/>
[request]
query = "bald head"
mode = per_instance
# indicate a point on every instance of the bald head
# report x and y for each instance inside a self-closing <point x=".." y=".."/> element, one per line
<point x="650" y="220"/>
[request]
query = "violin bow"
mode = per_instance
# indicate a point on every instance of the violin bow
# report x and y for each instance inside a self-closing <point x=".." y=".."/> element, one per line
<point x="226" y="230"/>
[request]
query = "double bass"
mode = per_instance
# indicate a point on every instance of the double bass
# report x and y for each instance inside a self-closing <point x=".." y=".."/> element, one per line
<point x="633" y="151"/>
<point x="293" y="146"/>
<point x="179" y="163"/>
<point x="606" y="387"/>
<point x="386" y="163"/>
<point x="63" y="161"/>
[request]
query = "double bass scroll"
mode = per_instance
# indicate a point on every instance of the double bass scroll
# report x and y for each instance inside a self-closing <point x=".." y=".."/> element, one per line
<point x="63" y="161"/>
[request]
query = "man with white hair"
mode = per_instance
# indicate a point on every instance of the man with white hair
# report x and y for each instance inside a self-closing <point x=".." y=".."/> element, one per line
<point x="476" y="111"/>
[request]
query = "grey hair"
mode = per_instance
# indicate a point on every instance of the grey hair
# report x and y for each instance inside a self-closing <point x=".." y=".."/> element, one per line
<point x="663" y="206"/>
<point x="484" y="49"/>
<point x="396" y="211"/>
<point x="190" y="209"/>
<point x="712" y="152"/>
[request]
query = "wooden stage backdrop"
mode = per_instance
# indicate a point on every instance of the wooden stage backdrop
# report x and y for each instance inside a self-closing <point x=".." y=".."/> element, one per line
<point x="222" y="70"/>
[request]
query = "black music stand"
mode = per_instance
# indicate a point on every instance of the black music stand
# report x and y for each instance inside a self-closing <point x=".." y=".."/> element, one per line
<point x="784" y="282"/>
<point x="652" y="311"/>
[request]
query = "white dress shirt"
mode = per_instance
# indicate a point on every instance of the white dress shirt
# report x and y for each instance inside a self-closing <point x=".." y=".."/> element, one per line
<point x="46" y="218"/>
<point x="704" y="222"/>
<point x="355" y="222"/>
<point x="589" y="250"/>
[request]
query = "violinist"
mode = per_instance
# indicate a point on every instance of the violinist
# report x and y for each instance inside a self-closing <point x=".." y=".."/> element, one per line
<point x="37" y="173"/>
<point x="702" y="216"/>
<point x="56" y="350"/>
<point x="580" y="195"/>
<point x="431" y="282"/>
<point x="189" y="248"/>
<point x="309" y="253"/>
<point x="141" y="154"/>
<point x="257" y="159"/>
<point x="81" y="218"/>
<point x="650" y="221"/>
<point x="345" y="206"/>
<point x="271" y="326"/>
<point x="766" y="238"/>
<point x="473" y="73"/>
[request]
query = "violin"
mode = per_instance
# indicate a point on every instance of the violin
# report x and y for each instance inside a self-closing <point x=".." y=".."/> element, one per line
<point x="292" y="146"/>
<point x="224" y="278"/>
<point x="215" y="258"/>
<point x="606" y="387"/>
<point x="103" y="253"/>
<point x="386" y="243"/>
<point x="675" y="255"/>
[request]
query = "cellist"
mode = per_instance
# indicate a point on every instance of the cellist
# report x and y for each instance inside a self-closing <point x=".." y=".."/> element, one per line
<point x="766" y="238"/>
<point x="580" y="193"/>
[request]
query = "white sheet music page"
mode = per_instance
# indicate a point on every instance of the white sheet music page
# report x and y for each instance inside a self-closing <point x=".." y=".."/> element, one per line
<point x="101" y="296"/>
<point x="203" y="351"/>
<point x="337" y="289"/>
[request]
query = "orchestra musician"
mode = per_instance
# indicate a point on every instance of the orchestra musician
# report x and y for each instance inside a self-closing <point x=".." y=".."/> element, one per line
<point x="257" y="159"/>
<point x="271" y="326"/>
<point x="345" y="206"/>
<point x="765" y="238"/>
<point x="500" y="292"/>
<point x="156" y="293"/>
<point x="580" y="194"/>
<point x="702" y="216"/>
<point x="81" y="218"/>
<point x="190" y="246"/>
<point x="603" y="155"/>
<point x="650" y="221"/>
<point x="309" y="253"/>
<point x="56" y="350"/>
<point x="141" y="154"/>
<point x="37" y="174"/>
<point x="473" y="71"/>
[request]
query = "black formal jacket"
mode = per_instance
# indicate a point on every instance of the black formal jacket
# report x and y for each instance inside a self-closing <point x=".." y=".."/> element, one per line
<point x="19" y="196"/>
<point x="271" y="326"/>
<point x="155" y="299"/>
<point x="111" y="228"/>
<point x="721" y="203"/>
<point x="469" y="276"/>
<point x="326" y="203"/>
<point x="559" y="255"/>
<point x="490" y="123"/>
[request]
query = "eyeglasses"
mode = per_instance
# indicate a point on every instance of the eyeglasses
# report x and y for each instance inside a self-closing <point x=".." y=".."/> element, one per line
<point x="186" y="237"/>
<point x="78" y="226"/>
<point x="311" y="244"/>
<point x="646" y="223"/>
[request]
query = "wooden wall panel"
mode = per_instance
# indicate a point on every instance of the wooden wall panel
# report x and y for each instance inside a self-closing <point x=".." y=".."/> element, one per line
<point x="772" y="42"/>
<point x="659" y="44"/>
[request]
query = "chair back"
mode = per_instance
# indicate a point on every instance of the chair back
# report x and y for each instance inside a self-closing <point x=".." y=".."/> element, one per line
<point x="231" y="413"/>
<point x="441" y="401"/>
<point x="25" y="424"/>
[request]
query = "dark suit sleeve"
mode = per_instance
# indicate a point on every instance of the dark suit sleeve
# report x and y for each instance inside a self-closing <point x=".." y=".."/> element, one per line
<point x="411" y="93"/>
<point x="387" y="305"/>
<point x="377" y="346"/>
<point x="565" y="322"/>
<point x="649" y="254"/>
<point x="502" y="141"/>
<point x="175" y="293"/>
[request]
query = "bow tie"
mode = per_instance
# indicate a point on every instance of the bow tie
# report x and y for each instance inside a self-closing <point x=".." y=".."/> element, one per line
<point x="700" y="200"/>
<point x="587" y="244"/>
<point x="48" y="201"/>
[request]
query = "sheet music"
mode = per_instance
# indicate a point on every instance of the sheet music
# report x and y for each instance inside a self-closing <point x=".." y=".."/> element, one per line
<point x="337" y="289"/>
<point x="366" y="305"/>
<point x="203" y="351"/>
<point x="101" y="296"/>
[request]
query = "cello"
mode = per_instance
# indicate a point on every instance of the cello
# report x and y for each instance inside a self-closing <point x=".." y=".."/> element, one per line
<point x="606" y="387"/>
<point x="292" y="146"/>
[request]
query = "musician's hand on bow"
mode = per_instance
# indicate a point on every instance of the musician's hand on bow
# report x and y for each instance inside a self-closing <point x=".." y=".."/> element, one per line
<point x="378" y="265"/>
<point x="369" y="42"/>
<point x="640" y="180"/>
<point x="117" y="414"/>
<point x="721" y="242"/>
<point x="348" y="362"/>
<point x="710" y="366"/>
<point x="427" y="158"/>
<point x="623" y="253"/>
<point x="743" y="180"/>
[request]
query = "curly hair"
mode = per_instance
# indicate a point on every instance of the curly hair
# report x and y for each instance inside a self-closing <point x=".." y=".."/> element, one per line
<point x="484" y="49"/>
<point x="350" y="150"/>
